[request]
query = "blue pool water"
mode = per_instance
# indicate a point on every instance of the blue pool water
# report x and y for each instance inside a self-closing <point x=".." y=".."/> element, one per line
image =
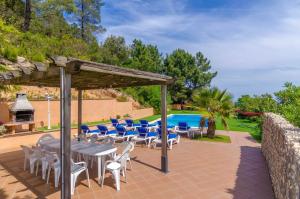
<point x="192" y="120"/>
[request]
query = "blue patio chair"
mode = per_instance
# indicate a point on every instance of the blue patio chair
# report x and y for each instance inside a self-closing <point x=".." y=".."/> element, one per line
<point x="104" y="132"/>
<point x="183" y="128"/>
<point x="144" y="135"/>
<point x="145" y="123"/>
<point x="172" y="138"/>
<point x="86" y="130"/>
<point x="168" y="126"/>
<point x="114" y="122"/>
<point x="123" y="134"/>
<point x="130" y="124"/>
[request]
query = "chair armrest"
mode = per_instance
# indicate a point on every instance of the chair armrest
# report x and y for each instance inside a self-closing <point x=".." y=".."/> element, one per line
<point x="81" y="163"/>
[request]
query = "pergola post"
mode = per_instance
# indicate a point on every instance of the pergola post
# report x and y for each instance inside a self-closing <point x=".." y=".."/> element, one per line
<point x="164" y="150"/>
<point x="79" y="111"/>
<point x="65" y="133"/>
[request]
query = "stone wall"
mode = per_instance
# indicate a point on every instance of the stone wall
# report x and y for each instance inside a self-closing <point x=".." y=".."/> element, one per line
<point x="92" y="110"/>
<point x="281" y="148"/>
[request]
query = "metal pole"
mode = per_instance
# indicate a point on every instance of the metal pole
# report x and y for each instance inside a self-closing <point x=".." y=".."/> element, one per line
<point x="79" y="111"/>
<point x="65" y="135"/>
<point x="164" y="150"/>
<point x="49" y="113"/>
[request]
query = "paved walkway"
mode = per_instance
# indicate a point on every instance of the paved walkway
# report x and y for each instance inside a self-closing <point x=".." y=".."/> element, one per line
<point x="197" y="170"/>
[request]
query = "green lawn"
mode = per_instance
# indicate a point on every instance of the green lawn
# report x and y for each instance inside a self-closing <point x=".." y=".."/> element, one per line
<point x="217" y="138"/>
<point x="243" y="125"/>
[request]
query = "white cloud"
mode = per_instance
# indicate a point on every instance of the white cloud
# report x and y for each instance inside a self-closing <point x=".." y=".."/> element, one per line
<point x="261" y="43"/>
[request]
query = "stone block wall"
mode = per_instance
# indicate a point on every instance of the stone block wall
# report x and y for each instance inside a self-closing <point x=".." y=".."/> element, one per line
<point x="92" y="110"/>
<point x="281" y="148"/>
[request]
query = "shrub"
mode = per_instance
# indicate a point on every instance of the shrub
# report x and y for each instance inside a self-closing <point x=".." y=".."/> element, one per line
<point x="118" y="116"/>
<point x="10" y="53"/>
<point x="2" y="130"/>
<point x="122" y="98"/>
<point x="38" y="57"/>
<point x="126" y="116"/>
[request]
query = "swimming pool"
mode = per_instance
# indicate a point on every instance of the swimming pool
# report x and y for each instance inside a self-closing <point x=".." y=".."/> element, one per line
<point x="192" y="120"/>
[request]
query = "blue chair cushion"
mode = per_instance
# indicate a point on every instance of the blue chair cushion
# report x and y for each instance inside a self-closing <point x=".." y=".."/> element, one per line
<point x="152" y="134"/>
<point x="130" y="133"/>
<point x="111" y="132"/>
<point x="94" y="131"/>
<point x="172" y="136"/>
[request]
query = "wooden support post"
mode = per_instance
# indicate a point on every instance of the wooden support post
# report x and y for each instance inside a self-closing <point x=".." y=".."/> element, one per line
<point x="65" y="135"/>
<point x="164" y="147"/>
<point x="79" y="111"/>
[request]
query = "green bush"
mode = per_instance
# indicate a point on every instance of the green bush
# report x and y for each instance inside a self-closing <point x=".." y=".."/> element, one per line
<point x="10" y="53"/>
<point x="38" y="57"/>
<point x="126" y="116"/>
<point x="2" y="130"/>
<point x="122" y="98"/>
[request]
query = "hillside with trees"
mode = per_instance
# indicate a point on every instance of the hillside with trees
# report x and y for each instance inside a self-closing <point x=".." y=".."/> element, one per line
<point x="38" y="29"/>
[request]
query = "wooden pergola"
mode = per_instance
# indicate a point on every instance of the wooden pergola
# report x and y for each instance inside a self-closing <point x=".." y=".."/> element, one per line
<point x="68" y="73"/>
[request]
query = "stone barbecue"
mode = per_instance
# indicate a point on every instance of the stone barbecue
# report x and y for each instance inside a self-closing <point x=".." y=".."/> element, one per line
<point x="21" y="110"/>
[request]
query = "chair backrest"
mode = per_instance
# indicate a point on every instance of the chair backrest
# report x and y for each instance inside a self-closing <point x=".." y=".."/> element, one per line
<point x="103" y="129"/>
<point x="114" y="122"/>
<point x="44" y="138"/>
<point x="159" y="132"/>
<point x="129" y="122"/>
<point x="27" y="150"/>
<point x="82" y="137"/>
<point x="127" y="148"/>
<point x="52" y="158"/>
<point x="182" y="125"/>
<point x="121" y="130"/>
<point x="94" y="138"/>
<point x="108" y="140"/>
<point x="144" y="123"/>
<point x="142" y="131"/>
<point x="85" y="128"/>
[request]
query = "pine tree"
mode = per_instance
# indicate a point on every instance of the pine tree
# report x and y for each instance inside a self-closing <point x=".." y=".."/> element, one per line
<point x="89" y="17"/>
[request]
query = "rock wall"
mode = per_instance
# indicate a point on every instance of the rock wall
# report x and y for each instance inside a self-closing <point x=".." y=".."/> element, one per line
<point x="281" y="148"/>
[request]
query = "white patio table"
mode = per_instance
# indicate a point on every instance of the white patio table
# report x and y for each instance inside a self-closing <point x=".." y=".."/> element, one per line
<point x="97" y="150"/>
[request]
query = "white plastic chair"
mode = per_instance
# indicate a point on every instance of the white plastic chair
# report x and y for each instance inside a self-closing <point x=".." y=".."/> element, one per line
<point x="44" y="138"/>
<point x="34" y="156"/>
<point x="123" y="147"/>
<point x="47" y="159"/>
<point x="170" y="141"/>
<point x="117" y="165"/>
<point x="76" y="170"/>
<point x="54" y="163"/>
<point x="28" y="154"/>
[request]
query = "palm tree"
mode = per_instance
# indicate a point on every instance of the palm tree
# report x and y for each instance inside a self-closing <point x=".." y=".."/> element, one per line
<point x="217" y="103"/>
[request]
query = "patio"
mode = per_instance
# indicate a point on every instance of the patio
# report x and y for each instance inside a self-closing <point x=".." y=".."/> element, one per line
<point x="197" y="170"/>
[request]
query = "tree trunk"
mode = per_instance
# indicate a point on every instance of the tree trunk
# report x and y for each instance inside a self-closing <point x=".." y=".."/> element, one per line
<point x="211" y="130"/>
<point x="27" y="15"/>
<point x="82" y="20"/>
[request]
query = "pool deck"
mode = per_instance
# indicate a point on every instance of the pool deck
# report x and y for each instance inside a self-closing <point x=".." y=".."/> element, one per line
<point x="197" y="170"/>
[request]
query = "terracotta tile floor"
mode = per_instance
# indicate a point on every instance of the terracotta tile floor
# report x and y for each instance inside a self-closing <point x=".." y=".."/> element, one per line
<point x="197" y="170"/>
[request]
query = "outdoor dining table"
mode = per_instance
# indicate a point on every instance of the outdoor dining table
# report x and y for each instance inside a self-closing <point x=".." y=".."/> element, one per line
<point x="90" y="149"/>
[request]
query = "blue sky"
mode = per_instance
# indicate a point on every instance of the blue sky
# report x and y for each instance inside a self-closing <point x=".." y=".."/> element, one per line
<point x="253" y="44"/>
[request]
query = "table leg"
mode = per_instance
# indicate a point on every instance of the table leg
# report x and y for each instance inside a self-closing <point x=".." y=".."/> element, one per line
<point x="99" y="169"/>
